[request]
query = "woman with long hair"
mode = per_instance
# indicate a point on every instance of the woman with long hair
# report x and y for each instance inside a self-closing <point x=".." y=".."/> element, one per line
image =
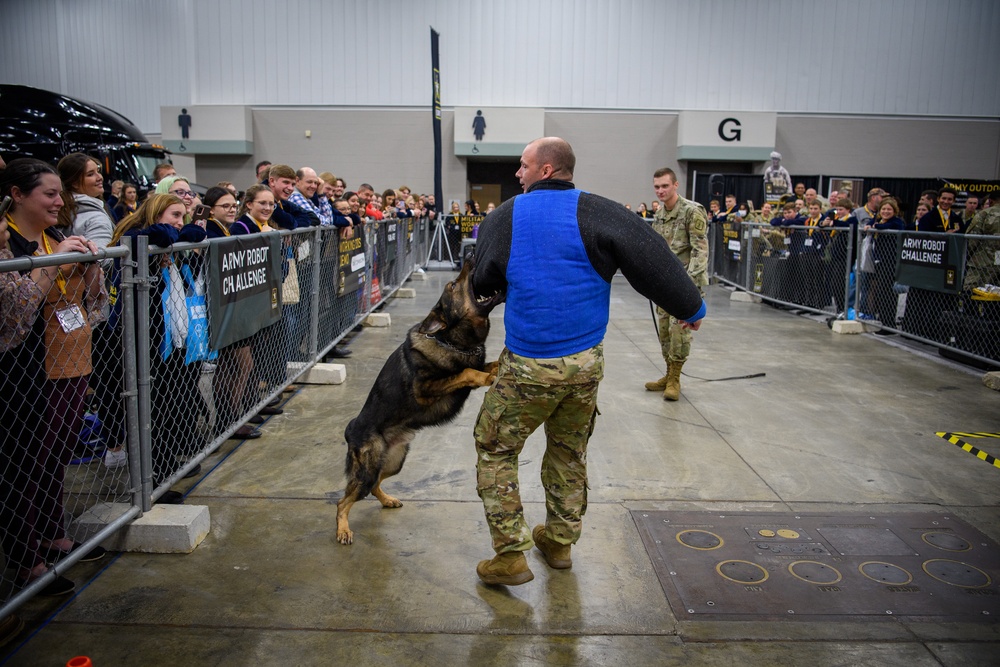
<point x="43" y="380"/>
<point x="85" y="214"/>
<point x="255" y="211"/>
<point x="127" y="203"/>
<point x="174" y="386"/>
<point x="883" y="297"/>
<point x="389" y="209"/>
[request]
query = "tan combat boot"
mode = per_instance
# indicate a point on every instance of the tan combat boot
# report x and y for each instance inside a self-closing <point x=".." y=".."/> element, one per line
<point x="672" y="391"/>
<point x="658" y="385"/>
<point x="556" y="555"/>
<point x="506" y="569"/>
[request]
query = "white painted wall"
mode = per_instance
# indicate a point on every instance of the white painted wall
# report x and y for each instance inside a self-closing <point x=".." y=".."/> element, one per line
<point x="910" y="57"/>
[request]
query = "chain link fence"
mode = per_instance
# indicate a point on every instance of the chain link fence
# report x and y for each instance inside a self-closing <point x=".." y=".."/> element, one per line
<point x="931" y="287"/>
<point x="111" y="403"/>
<point x="63" y="405"/>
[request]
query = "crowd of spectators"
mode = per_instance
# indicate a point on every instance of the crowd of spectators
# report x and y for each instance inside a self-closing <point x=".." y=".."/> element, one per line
<point x="810" y="231"/>
<point x="61" y="344"/>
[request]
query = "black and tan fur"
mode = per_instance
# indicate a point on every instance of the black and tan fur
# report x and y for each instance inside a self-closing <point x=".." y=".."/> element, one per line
<point x="424" y="382"/>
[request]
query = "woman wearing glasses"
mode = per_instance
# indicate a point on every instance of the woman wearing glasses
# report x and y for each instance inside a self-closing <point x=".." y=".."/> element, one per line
<point x="222" y="207"/>
<point x="179" y="187"/>
<point x="235" y="361"/>
<point x="258" y="205"/>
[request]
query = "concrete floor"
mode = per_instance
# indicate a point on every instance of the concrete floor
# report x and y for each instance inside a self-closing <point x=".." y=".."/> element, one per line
<point x="839" y="424"/>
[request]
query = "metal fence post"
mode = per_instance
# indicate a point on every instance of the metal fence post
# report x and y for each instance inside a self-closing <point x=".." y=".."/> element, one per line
<point x="143" y="380"/>
<point x="317" y="254"/>
<point x="847" y="277"/>
<point x="131" y="394"/>
<point x="747" y="255"/>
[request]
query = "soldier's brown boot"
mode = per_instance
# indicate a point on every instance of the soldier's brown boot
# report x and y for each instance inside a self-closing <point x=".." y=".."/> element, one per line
<point x="506" y="569"/>
<point x="672" y="391"/>
<point x="556" y="555"/>
<point x="658" y="385"/>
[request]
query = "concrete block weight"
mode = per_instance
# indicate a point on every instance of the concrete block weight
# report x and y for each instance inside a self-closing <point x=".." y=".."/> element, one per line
<point x="165" y="529"/>
<point x="378" y="320"/>
<point x="325" y="374"/>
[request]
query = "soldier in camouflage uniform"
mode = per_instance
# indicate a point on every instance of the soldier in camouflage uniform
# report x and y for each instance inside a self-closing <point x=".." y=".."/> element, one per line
<point x="684" y="224"/>
<point x="553" y="252"/>
<point x="983" y="263"/>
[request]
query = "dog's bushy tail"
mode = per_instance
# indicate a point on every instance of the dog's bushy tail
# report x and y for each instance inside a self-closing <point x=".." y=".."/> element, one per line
<point x="364" y="462"/>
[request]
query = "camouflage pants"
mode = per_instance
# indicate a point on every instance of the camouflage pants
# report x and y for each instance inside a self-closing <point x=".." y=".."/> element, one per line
<point x="562" y="394"/>
<point x="675" y="340"/>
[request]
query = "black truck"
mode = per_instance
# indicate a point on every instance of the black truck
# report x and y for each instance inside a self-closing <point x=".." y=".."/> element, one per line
<point x="45" y="125"/>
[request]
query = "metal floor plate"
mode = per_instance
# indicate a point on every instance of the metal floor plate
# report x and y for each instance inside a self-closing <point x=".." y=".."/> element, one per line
<point x="773" y="565"/>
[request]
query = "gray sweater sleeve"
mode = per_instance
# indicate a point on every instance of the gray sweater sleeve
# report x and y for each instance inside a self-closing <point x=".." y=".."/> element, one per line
<point x="615" y="238"/>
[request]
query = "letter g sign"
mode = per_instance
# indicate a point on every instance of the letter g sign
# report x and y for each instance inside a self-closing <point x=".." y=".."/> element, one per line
<point x="729" y="129"/>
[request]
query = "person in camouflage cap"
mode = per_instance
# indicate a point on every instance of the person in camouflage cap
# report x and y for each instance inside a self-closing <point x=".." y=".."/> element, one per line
<point x="684" y="225"/>
<point x="553" y="252"/>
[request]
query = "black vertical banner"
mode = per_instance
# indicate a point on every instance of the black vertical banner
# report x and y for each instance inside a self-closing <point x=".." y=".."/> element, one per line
<point x="436" y="120"/>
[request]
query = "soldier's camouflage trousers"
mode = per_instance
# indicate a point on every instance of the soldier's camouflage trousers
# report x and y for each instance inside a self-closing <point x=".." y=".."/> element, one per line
<point x="675" y="340"/>
<point x="562" y="394"/>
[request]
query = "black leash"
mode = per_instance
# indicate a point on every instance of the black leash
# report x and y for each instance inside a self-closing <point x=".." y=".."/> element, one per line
<point x="656" y="328"/>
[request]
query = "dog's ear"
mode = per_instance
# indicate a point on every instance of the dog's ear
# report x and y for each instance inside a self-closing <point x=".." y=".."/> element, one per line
<point x="431" y="324"/>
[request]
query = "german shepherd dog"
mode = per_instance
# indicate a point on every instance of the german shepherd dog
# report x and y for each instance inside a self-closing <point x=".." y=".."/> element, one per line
<point x="424" y="382"/>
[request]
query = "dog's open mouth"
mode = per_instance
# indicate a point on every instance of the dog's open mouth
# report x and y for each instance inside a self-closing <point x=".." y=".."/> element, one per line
<point x="488" y="302"/>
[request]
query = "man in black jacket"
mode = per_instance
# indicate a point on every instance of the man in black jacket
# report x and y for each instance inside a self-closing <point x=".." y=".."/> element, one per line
<point x="553" y="252"/>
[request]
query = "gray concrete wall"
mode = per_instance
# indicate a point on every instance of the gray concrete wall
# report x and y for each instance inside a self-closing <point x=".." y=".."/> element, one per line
<point x="617" y="152"/>
<point x="384" y="147"/>
<point x="897" y="147"/>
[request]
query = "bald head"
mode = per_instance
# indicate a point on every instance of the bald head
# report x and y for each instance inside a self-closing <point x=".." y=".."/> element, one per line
<point x="306" y="181"/>
<point x="544" y="159"/>
<point x="558" y="153"/>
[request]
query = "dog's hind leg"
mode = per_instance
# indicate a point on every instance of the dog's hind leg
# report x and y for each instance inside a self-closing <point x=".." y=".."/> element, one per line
<point x="362" y="469"/>
<point x="395" y="456"/>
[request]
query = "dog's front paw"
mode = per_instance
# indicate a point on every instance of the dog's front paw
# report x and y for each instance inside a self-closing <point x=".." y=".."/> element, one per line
<point x="345" y="536"/>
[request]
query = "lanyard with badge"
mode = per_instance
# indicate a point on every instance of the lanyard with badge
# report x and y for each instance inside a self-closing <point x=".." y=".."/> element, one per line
<point x="71" y="317"/>
<point x="944" y="218"/>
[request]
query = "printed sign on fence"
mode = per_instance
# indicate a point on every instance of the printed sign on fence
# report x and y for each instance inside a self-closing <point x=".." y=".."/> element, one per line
<point x="351" y="263"/>
<point x="466" y="223"/>
<point x="391" y="240"/>
<point x="931" y="261"/>
<point x="244" y="278"/>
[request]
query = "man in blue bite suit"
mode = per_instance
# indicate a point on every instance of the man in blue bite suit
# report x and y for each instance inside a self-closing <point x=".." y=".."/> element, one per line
<point x="553" y="252"/>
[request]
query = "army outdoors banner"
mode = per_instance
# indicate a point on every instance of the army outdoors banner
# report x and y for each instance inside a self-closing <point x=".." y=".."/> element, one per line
<point x="351" y="261"/>
<point x="931" y="261"/>
<point x="244" y="285"/>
